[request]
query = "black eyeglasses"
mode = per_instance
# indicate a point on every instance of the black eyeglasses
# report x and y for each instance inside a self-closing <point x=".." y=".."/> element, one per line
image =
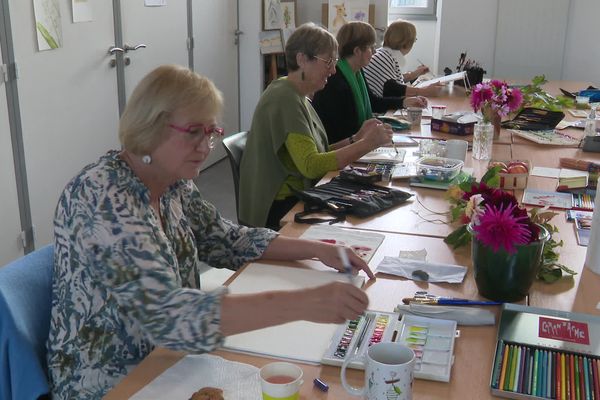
<point x="328" y="63"/>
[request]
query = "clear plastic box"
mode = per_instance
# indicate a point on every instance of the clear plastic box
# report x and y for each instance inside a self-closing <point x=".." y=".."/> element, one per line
<point x="438" y="168"/>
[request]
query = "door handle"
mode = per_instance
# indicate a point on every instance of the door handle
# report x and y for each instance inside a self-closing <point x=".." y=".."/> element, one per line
<point x="113" y="50"/>
<point x="133" y="48"/>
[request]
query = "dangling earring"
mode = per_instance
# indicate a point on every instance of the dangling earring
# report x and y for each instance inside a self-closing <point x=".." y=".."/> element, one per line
<point x="302" y="75"/>
<point x="146" y="159"/>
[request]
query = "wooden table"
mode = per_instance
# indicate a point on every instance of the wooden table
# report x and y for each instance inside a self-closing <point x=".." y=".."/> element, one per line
<point x="473" y="359"/>
<point x="405" y="229"/>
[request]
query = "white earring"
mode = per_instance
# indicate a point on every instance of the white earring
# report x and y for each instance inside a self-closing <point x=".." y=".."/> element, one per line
<point x="146" y="159"/>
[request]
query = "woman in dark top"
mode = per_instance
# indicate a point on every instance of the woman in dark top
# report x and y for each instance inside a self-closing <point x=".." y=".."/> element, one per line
<point x="346" y="101"/>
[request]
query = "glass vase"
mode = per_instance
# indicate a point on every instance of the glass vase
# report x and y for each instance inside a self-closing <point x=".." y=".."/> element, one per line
<point x="503" y="276"/>
<point x="483" y="140"/>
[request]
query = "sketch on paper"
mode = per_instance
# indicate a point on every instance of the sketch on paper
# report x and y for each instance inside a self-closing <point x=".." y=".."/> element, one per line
<point x="82" y="10"/>
<point x="288" y="11"/>
<point x="273" y="17"/>
<point x="48" y="24"/>
<point x="343" y="11"/>
<point x="270" y="42"/>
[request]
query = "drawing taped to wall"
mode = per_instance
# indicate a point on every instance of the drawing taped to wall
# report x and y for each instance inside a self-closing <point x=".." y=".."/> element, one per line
<point x="272" y="14"/>
<point x="48" y="24"/>
<point x="82" y="10"/>
<point x="343" y="11"/>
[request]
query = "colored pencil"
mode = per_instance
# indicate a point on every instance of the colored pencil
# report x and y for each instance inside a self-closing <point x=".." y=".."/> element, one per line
<point x="559" y="377"/>
<point x="586" y="378"/>
<point x="577" y="376"/>
<point x="509" y="364"/>
<point x="511" y="368"/>
<point x="498" y="364"/>
<point x="534" y="386"/>
<point x="543" y="374"/>
<point x="504" y="366"/>
<point x="596" y="379"/>
<point x="527" y="371"/>
<point x="549" y="375"/>
<point x="517" y="369"/>
<point x="581" y="377"/>
<point x="522" y="372"/>
<point x="530" y="372"/>
<point x="540" y="374"/>
<point x="572" y="373"/>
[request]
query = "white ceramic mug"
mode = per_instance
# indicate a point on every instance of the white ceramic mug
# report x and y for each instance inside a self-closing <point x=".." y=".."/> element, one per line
<point x="281" y="381"/>
<point x="456" y="149"/>
<point x="388" y="372"/>
<point x="413" y="115"/>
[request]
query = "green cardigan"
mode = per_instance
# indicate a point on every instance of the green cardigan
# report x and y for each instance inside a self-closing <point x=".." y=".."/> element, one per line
<point x="280" y="111"/>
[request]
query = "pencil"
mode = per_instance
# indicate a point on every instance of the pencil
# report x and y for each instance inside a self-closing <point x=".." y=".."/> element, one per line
<point x="516" y="370"/>
<point x="534" y="386"/>
<point x="504" y="364"/>
<point x="572" y="377"/>
<point x="559" y="377"/>
<point x="530" y="372"/>
<point x="549" y="375"/>
<point x="577" y="377"/>
<point x="596" y="373"/>
<point x="542" y="369"/>
<point x="522" y="373"/>
<point x="511" y="352"/>
<point x="498" y="364"/>
<point x="586" y="378"/>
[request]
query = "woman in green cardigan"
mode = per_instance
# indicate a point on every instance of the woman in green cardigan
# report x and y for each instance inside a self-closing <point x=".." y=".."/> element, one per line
<point x="287" y="145"/>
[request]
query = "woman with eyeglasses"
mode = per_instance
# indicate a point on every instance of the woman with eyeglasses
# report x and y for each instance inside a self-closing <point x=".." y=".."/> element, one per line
<point x="347" y="101"/>
<point x="287" y="146"/>
<point x="384" y="72"/>
<point x="132" y="233"/>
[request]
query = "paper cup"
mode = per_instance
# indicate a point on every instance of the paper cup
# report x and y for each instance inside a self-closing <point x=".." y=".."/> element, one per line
<point x="456" y="149"/>
<point x="281" y="381"/>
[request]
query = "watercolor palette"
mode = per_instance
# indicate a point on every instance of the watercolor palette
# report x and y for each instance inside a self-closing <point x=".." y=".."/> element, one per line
<point x="546" y="354"/>
<point x="355" y="337"/>
<point x="432" y="340"/>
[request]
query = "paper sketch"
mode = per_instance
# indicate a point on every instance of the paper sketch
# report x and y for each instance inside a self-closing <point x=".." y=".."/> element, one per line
<point x="48" y="24"/>
<point x="343" y="11"/>
<point x="288" y="11"/>
<point x="270" y="42"/>
<point x="273" y="17"/>
<point x="82" y="10"/>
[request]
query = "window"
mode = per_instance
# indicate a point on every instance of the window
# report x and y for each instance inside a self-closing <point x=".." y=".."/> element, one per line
<point x="412" y="9"/>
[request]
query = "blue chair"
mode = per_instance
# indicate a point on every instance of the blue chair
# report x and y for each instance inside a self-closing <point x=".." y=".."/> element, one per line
<point x="25" y="302"/>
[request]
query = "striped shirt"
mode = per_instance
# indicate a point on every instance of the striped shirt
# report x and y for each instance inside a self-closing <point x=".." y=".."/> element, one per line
<point x="382" y="68"/>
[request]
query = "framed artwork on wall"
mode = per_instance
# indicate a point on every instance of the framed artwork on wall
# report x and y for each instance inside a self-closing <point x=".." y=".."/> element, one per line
<point x="272" y="15"/>
<point x="288" y="12"/>
<point x="342" y="11"/>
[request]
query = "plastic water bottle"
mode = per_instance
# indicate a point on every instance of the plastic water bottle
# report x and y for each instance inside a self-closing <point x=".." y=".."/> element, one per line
<point x="590" y="124"/>
<point x="592" y="256"/>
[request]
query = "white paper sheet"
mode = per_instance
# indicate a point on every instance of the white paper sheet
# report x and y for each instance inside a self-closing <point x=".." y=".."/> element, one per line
<point x="442" y="79"/>
<point x="193" y="372"/>
<point x="365" y="244"/>
<point x="298" y="341"/>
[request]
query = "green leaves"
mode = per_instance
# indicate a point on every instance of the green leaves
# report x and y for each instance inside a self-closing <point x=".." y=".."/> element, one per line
<point x="458" y="238"/>
<point x="535" y="96"/>
<point x="46" y="35"/>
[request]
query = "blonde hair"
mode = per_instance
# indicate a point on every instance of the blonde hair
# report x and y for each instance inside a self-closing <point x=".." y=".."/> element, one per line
<point x="309" y="39"/>
<point x="161" y="92"/>
<point x="355" y="34"/>
<point x="400" y="35"/>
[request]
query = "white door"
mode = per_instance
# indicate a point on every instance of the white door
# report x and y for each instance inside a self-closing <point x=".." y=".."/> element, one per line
<point x="10" y="227"/>
<point x="216" y="57"/>
<point x="68" y="103"/>
<point x="163" y="30"/>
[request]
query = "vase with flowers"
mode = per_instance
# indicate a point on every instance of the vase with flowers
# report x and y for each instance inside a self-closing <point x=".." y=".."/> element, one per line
<point x="495" y="99"/>
<point x="510" y="245"/>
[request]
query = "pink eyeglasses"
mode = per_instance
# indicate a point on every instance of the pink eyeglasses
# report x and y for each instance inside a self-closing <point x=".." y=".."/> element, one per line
<point x="212" y="133"/>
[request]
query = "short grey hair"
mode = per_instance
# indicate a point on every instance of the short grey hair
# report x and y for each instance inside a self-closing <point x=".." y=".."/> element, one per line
<point x="309" y="39"/>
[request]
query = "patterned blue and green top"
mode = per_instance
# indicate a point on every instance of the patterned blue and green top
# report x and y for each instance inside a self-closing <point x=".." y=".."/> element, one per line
<point x="125" y="282"/>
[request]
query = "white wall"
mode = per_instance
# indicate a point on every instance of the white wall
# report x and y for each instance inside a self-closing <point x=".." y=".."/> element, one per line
<point x="471" y="25"/>
<point x="582" y="50"/>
